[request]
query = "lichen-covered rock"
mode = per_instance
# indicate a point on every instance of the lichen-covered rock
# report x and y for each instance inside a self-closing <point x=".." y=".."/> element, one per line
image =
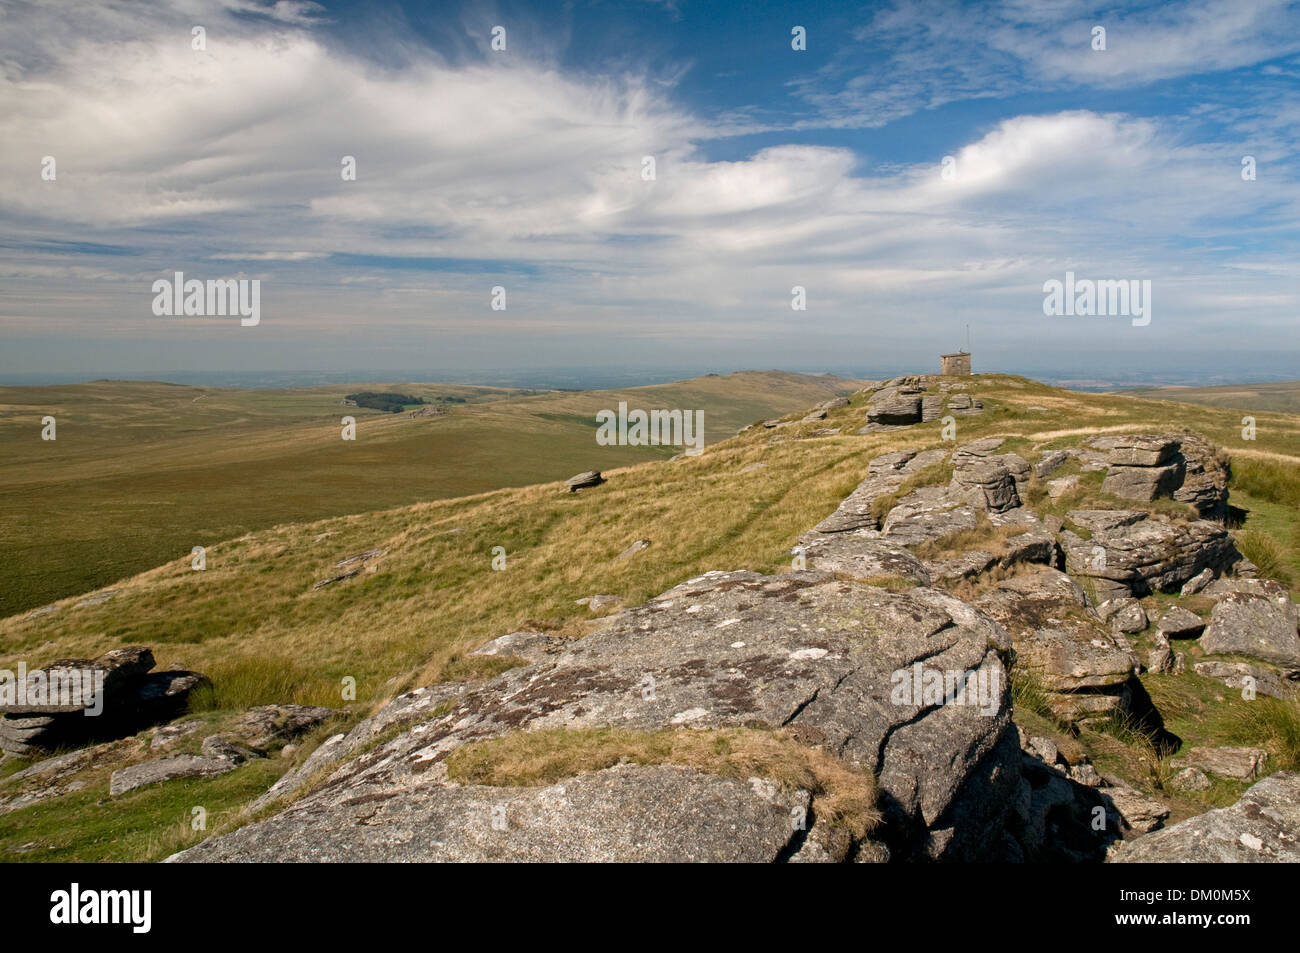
<point x="1260" y="624"/>
<point x="1075" y="658"/>
<point x="1264" y="826"/>
<point x="628" y="813"/>
<point x="802" y="650"/>
<point x="1130" y="554"/>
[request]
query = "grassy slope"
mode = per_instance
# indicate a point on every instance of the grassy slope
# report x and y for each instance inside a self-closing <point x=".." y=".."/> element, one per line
<point x="1282" y="397"/>
<point x="143" y="472"/>
<point x="254" y="623"/>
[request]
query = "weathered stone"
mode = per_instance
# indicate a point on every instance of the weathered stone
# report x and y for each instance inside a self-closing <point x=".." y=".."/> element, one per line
<point x="1130" y="618"/>
<point x="864" y="557"/>
<point x="802" y="650"/>
<point x="1248" y="678"/>
<point x="895" y="411"/>
<point x="925" y="515"/>
<point x="585" y="479"/>
<point x="167" y="769"/>
<point x="1137" y="556"/>
<point x="1260" y="827"/>
<point x="1255" y="625"/>
<point x="533" y="646"/>
<point x="1135" y="810"/>
<point x="1197" y="582"/>
<point x="1160" y="659"/>
<point x="168" y="734"/>
<point x="1059" y="488"/>
<point x="976" y="450"/>
<point x="1179" y="623"/>
<point x="638" y="546"/>
<point x="966" y="566"/>
<point x="129" y="698"/>
<point x="1077" y="661"/>
<point x="1051" y="463"/>
<point x="985" y="485"/>
<point x="1142" y="451"/>
<point x="219" y="746"/>
<point x="1239" y="763"/>
<point x="265" y="725"/>
<point x="629" y="813"/>
<point x="1191" y="779"/>
<point x="1143" y="483"/>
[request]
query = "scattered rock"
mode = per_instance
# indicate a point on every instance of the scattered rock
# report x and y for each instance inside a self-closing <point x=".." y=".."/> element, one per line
<point x="636" y="547"/>
<point x="1197" y="582"/>
<point x="1160" y="659"/>
<point x="1179" y="623"/>
<point x="1248" y="678"/>
<point x="585" y="479"/>
<point x="265" y="725"/>
<point x="170" y="768"/>
<point x="131" y="698"/>
<point x="1260" y="827"/>
<point x="1238" y="763"/>
<point x="1191" y="780"/>
<point x="1135" y="811"/>
<point x="1258" y="625"/>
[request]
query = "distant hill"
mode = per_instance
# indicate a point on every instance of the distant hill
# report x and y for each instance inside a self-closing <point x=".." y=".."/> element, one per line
<point x="141" y="472"/>
<point x="1282" y="397"/>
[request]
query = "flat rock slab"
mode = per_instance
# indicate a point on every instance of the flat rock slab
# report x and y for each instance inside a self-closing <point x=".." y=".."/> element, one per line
<point x="264" y="725"/>
<point x="1255" y="625"/>
<point x="1238" y="763"/>
<point x="864" y="557"/>
<point x="1262" y="827"/>
<point x="1246" y="678"/>
<point x="630" y="813"/>
<point x="167" y="769"/>
<point x="583" y="480"/>
<point x="728" y="649"/>
<point x="1180" y="623"/>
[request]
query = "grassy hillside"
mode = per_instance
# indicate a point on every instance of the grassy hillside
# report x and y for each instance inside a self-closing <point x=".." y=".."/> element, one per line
<point x="141" y="473"/>
<point x="1283" y="397"/>
<point x="253" y="621"/>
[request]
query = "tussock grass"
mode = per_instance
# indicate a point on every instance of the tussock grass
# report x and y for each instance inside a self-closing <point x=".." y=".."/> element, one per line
<point x="844" y="795"/>
<point x="1267" y="479"/>
<point x="1028" y="695"/>
<point x="1266" y="553"/>
<point x="1269" y="723"/>
<point x="255" y="680"/>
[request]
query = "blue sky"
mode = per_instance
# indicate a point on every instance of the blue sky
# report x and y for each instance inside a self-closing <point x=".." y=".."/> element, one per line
<point x="774" y="167"/>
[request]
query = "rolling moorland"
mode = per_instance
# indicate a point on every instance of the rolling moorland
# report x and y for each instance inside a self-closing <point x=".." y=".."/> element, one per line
<point x="140" y="473"/>
<point x="257" y="624"/>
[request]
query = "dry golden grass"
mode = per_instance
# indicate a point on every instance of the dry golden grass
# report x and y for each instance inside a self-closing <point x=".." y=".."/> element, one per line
<point x="844" y="795"/>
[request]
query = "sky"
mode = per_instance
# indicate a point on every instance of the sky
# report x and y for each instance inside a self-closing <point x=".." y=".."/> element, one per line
<point x="917" y="168"/>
